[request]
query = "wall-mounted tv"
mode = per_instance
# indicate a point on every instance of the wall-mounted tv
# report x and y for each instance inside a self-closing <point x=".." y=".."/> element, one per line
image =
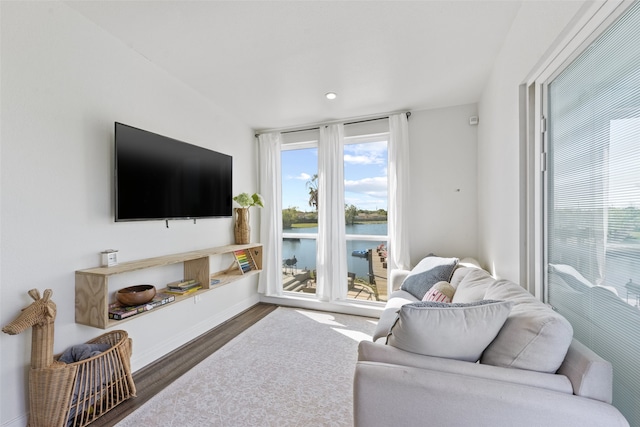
<point x="160" y="178"/>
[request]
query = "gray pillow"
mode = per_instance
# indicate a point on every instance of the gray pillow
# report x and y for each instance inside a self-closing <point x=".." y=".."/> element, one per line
<point x="534" y="337"/>
<point x="428" y="272"/>
<point x="453" y="331"/>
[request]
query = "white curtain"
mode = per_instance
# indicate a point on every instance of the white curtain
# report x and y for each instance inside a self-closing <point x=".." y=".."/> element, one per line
<point x="331" y="262"/>
<point x="398" y="176"/>
<point x="270" y="282"/>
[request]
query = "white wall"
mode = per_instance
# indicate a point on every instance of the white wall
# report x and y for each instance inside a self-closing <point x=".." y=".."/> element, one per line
<point x="443" y="206"/>
<point x="64" y="83"/>
<point x="442" y="220"/>
<point x="499" y="168"/>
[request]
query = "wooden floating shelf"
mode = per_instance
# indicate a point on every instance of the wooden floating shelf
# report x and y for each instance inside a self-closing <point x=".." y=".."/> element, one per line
<point x="92" y="284"/>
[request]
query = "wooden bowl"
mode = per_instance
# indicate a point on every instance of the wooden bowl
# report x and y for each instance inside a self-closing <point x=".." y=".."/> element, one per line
<point x="136" y="295"/>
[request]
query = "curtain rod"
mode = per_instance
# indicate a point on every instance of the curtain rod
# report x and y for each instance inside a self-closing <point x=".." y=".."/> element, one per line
<point x="408" y="113"/>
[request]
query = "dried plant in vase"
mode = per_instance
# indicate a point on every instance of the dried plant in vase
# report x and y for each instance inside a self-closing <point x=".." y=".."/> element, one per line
<point x="241" y="228"/>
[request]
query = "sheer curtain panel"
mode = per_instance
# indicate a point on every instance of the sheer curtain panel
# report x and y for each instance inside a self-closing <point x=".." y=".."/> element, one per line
<point x="398" y="175"/>
<point x="332" y="246"/>
<point x="270" y="282"/>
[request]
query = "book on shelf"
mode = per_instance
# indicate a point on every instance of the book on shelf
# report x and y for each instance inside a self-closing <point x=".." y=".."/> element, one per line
<point x="245" y="260"/>
<point x="118" y="311"/>
<point x="183" y="286"/>
<point x="183" y="291"/>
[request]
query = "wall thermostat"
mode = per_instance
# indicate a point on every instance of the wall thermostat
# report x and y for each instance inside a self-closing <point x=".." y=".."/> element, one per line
<point x="473" y="120"/>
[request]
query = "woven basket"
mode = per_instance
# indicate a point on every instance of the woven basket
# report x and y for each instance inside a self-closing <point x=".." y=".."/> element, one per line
<point x="76" y="394"/>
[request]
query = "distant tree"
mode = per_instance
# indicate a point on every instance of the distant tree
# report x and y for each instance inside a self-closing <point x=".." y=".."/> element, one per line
<point x="350" y="214"/>
<point x="312" y="185"/>
<point x="289" y="216"/>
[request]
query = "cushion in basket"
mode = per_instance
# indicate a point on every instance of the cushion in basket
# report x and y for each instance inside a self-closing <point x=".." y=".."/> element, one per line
<point x="428" y="272"/>
<point x="453" y="331"/>
<point x="534" y="337"/>
<point x="440" y="292"/>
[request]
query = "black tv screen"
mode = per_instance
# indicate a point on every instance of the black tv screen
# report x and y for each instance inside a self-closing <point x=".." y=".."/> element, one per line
<point x="158" y="178"/>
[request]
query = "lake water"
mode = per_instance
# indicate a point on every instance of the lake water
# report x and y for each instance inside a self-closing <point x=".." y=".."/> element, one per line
<point x="622" y="264"/>
<point x="305" y="249"/>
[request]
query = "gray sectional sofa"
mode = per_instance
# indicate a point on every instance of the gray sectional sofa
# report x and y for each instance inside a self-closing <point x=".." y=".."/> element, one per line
<point x="529" y="370"/>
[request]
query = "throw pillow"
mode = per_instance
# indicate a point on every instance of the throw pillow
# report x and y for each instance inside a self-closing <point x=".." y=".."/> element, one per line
<point x="473" y="286"/>
<point x="440" y="292"/>
<point x="534" y="337"/>
<point x="453" y="331"/>
<point x="428" y="272"/>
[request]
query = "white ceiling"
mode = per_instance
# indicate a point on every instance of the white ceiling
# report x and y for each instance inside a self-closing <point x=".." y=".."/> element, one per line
<point x="270" y="62"/>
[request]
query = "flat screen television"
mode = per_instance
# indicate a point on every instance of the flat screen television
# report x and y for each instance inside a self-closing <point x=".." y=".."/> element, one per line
<point x="160" y="178"/>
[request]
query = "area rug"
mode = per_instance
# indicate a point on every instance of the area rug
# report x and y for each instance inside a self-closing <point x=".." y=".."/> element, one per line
<point x="293" y="368"/>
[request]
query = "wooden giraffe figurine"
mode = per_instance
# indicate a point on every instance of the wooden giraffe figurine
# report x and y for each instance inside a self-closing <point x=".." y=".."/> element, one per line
<point x="40" y="316"/>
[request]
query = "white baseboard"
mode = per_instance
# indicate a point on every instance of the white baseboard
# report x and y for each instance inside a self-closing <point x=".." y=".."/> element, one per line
<point x="17" y="422"/>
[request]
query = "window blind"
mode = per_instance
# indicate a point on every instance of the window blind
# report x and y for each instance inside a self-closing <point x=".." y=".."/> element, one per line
<point x="593" y="202"/>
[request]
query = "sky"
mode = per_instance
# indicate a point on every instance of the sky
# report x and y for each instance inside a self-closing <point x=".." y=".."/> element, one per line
<point x="365" y="174"/>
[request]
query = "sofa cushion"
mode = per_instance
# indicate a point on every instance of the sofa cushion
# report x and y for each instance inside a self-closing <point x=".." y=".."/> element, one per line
<point x="459" y="274"/>
<point x="454" y="331"/>
<point x="377" y="352"/>
<point x="428" y="272"/>
<point x="534" y="337"/>
<point x="399" y="298"/>
<point x="386" y="321"/>
<point x="473" y="286"/>
<point x="440" y="292"/>
<point x="396" y="300"/>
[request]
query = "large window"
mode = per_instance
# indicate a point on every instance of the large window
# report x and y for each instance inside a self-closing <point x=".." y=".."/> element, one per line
<point x="365" y="215"/>
<point x="365" y="174"/>
<point x="592" y="238"/>
<point x="299" y="216"/>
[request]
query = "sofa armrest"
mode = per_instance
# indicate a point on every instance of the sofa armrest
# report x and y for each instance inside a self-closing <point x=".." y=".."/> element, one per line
<point x="590" y="374"/>
<point x="396" y="277"/>
<point x="387" y="394"/>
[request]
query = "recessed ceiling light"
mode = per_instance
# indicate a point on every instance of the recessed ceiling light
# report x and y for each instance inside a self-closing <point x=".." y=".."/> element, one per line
<point x="330" y="95"/>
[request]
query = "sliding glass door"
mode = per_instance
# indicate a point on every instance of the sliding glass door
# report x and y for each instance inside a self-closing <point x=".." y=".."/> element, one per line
<point x="593" y="202"/>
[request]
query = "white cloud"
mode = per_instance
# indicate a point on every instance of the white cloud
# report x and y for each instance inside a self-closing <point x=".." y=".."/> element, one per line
<point x="362" y="159"/>
<point x="372" y="186"/>
<point x="302" y="177"/>
<point x="366" y="154"/>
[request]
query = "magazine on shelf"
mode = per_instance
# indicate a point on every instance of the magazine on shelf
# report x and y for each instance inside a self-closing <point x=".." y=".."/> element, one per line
<point x="183" y="291"/>
<point x="183" y="284"/>
<point x="118" y="311"/>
